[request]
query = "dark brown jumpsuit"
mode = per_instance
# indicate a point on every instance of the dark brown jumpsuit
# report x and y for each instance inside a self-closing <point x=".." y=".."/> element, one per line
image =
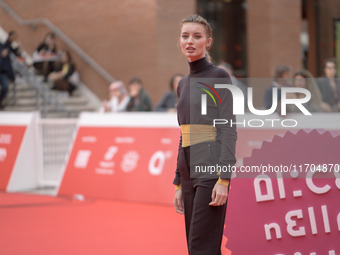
<point x="204" y="223"/>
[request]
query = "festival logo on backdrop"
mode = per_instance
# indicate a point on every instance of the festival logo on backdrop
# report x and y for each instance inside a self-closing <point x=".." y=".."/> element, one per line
<point x="285" y="200"/>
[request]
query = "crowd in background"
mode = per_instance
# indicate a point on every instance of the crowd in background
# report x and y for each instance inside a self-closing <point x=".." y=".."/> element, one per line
<point x="325" y="91"/>
<point x="59" y="73"/>
<point x="135" y="98"/>
<point x="56" y="66"/>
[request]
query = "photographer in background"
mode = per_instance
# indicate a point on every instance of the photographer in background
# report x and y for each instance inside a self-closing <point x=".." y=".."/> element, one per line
<point x="6" y="70"/>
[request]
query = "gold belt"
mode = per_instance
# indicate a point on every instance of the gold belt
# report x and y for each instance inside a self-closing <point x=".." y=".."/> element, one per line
<point x="197" y="133"/>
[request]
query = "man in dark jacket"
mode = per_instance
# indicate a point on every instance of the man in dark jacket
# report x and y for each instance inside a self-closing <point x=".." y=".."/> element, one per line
<point x="6" y="70"/>
<point x="282" y="74"/>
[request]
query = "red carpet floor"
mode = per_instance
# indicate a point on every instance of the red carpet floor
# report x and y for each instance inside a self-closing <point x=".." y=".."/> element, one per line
<point x="36" y="225"/>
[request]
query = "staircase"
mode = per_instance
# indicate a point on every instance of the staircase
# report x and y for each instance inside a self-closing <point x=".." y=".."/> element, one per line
<point x="23" y="96"/>
<point x="29" y="93"/>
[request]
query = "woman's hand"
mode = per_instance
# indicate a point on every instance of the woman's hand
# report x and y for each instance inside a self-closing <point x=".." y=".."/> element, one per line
<point x="55" y="76"/>
<point x="219" y="195"/>
<point x="105" y="106"/>
<point x="178" y="202"/>
<point x="4" y="53"/>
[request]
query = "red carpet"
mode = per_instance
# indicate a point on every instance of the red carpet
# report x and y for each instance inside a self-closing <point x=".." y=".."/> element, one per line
<point x="35" y="224"/>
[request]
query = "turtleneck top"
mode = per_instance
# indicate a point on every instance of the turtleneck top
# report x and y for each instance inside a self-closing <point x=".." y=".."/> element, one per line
<point x="189" y="109"/>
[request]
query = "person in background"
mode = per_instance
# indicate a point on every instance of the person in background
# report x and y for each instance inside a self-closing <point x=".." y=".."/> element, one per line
<point x="119" y="98"/>
<point x="235" y="81"/>
<point x="169" y="100"/>
<point x="61" y="77"/>
<point x="6" y="70"/>
<point x="9" y="44"/>
<point x="304" y="79"/>
<point x="45" y="56"/>
<point x="330" y="86"/>
<point x="139" y="98"/>
<point x="281" y="76"/>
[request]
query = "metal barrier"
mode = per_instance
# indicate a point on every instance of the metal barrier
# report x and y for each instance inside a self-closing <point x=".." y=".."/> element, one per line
<point x="56" y="138"/>
<point x="44" y="94"/>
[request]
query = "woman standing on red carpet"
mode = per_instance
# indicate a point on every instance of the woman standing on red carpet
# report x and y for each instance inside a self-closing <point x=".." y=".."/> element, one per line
<point x="203" y="197"/>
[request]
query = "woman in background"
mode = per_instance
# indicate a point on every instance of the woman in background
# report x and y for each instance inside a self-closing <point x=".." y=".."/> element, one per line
<point x="139" y="98"/>
<point x="304" y="79"/>
<point x="330" y="86"/>
<point x="61" y="76"/>
<point x="45" y="56"/>
<point x="169" y="100"/>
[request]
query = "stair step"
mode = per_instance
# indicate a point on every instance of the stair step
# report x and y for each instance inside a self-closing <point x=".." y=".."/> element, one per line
<point x="29" y="99"/>
<point x="22" y="94"/>
<point x="19" y="109"/>
<point x="26" y="100"/>
<point x="74" y="100"/>
<point x="59" y="115"/>
<point x="21" y="86"/>
<point x="21" y="102"/>
<point x="79" y="108"/>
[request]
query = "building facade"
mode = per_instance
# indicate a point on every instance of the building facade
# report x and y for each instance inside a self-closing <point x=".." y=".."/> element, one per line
<point x="140" y="37"/>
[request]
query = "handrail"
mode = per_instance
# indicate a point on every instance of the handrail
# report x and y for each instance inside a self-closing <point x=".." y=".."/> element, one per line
<point x="62" y="36"/>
